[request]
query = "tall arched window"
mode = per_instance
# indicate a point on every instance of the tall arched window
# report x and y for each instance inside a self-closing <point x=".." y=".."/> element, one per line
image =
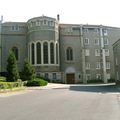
<point x="45" y="53"/>
<point x="33" y="53"/>
<point x="69" y="54"/>
<point x="52" y="53"/>
<point x="38" y="47"/>
<point x="57" y="53"/>
<point x="15" y="50"/>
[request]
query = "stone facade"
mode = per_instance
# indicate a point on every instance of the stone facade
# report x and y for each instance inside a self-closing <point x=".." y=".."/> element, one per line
<point x="116" y="51"/>
<point x="71" y="53"/>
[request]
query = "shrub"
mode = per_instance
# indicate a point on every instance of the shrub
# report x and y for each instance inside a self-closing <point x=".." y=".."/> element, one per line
<point x="2" y="79"/>
<point x="36" y="82"/>
<point x="111" y="80"/>
<point x="28" y="72"/>
<point x="12" y="69"/>
<point x="10" y="85"/>
<point x="95" y="81"/>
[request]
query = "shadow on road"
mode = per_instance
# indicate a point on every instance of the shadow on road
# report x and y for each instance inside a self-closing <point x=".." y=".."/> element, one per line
<point x="99" y="89"/>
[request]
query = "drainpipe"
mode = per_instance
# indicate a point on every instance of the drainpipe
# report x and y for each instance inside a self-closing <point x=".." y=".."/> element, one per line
<point x="103" y="55"/>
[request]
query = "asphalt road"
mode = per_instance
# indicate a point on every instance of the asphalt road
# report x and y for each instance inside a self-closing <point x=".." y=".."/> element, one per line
<point x="73" y="103"/>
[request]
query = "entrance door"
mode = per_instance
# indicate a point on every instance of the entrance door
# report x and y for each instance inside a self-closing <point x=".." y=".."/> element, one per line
<point x="70" y="78"/>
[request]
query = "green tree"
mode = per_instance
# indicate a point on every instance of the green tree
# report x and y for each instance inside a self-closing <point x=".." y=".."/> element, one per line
<point x="12" y="70"/>
<point x="28" y="72"/>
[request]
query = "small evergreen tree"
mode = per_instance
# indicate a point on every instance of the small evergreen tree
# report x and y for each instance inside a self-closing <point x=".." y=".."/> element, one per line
<point x="12" y="70"/>
<point x="28" y="72"/>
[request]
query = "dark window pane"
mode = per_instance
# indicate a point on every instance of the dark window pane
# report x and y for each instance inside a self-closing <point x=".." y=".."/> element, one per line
<point x="38" y="53"/>
<point x="52" y="53"/>
<point x="45" y="53"/>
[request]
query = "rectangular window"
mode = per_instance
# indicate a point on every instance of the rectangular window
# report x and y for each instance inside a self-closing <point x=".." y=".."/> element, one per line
<point x="116" y="61"/>
<point x="88" y="77"/>
<point x="117" y="76"/>
<point x="108" y="76"/>
<point x="107" y="65"/>
<point x="96" y="41"/>
<point x="86" y="30"/>
<point x="98" y="76"/>
<point x="46" y="76"/>
<point x="106" y="52"/>
<point x="15" y="28"/>
<point x="86" y="41"/>
<point x="98" y="66"/>
<point x="54" y="76"/>
<point x="106" y="42"/>
<point x="105" y="32"/>
<point x="96" y="30"/>
<point x="87" y="52"/>
<point x="87" y="65"/>
<point x="97" y="52"/>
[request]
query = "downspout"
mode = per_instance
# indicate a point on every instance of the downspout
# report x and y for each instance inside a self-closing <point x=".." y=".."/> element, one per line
<point x="103" y="55"/>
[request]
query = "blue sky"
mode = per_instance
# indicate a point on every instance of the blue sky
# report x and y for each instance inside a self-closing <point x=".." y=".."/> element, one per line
<point x="105" y="12"/>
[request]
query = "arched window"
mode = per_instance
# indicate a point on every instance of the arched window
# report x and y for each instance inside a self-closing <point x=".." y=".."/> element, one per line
<point x="38" y="47"/>
<point x="57" y="53"/>
<point x="69" y="54"/>
<point x="45" y="53"/>
<point x="52" y="53"/>
<point x="33" y="53"/>
<point x="15" y="50"/>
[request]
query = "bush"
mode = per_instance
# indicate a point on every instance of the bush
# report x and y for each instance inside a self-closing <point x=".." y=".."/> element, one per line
<point x="95" y="81"/>
<point x="10" y="85"/>
<point x="2" y="79"/>
<point x="28" y="72"/>
<point x="37" y="82"/>
<point x="111" y="80"/>
<point x="12" y="69"/>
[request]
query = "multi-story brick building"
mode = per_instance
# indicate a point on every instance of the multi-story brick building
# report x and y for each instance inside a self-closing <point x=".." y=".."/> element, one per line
<point x="71" y="53"/>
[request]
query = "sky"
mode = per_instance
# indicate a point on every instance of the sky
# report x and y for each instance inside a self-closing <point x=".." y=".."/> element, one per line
<point x="95" y="12"/>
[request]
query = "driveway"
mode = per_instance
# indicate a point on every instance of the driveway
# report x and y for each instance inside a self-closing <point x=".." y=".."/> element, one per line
<point x="67" y="102"/>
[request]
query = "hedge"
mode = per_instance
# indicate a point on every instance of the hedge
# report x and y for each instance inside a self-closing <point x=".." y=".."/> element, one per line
<point x="10" y="85"/>
<point x="2" y="79"/>
<point x="37" y="82"/>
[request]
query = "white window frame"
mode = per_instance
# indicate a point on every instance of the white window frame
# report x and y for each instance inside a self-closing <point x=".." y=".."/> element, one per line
<point x="106" y="41"/>
<point x="117" y="75"/>
<point x="86" y="30"/>
<point x="54" y="76"/>
<point x="97" y="52"/>
<point x="116" y="61"/>
<point x="98" y="65"/>
<point x="107" y="52"/>
<point x="87" y="66"/>
<point x="86" y="41"/>
<point x="97" y="42"/>
<point x="108" y="76"/>
<point x="96" y="30"/>
<point x="88" y="76"/>
<point x="87" y="52"/>
<point x="107" y="65"/>
<point x="105" y="32"/>
<point x="98" y="76"/>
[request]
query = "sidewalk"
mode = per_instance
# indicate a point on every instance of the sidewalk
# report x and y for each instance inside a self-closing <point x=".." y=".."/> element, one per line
<point x="50" y="86"/>
<point x="28" y="89"/>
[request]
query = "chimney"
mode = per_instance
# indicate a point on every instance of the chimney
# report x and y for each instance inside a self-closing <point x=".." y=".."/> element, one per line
<point x="58" y="17"/>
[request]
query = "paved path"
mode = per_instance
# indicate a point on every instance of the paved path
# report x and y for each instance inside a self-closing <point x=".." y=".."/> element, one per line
<point x="70" y="102"/>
